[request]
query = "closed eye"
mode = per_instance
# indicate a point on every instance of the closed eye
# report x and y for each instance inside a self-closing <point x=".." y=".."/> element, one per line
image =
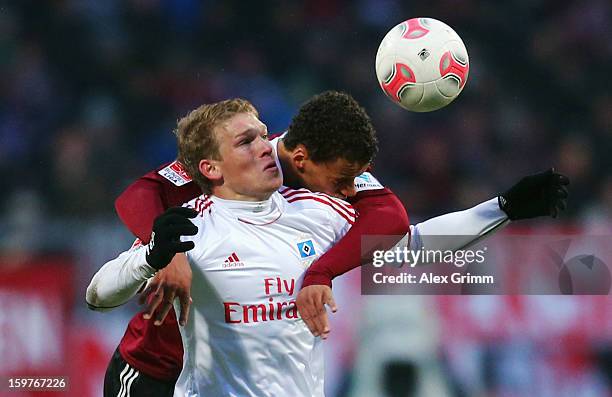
<point x="246" y="140"/>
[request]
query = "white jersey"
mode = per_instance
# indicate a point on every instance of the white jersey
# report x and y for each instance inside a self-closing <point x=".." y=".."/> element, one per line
<point x="244" y="336"/>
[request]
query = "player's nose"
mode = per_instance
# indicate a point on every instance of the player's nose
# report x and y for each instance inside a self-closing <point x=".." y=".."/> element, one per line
<point x="265" y="147"/>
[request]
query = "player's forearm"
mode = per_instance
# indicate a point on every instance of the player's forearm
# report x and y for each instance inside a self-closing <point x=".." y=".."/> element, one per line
<point x="118" y="280"/>
<point x="380" y="213"/>
<point x="459" y="229"/>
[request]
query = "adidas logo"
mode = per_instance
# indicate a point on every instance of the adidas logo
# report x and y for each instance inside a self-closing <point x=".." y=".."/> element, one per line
<point x="502" y="202"/>
<point x="232" y="261"/>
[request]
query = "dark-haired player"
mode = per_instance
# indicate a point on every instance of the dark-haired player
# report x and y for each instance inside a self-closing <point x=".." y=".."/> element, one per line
<point x="316" y="152"/>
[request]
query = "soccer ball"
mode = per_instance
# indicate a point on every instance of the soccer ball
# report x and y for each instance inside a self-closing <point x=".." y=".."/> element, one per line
<point x="422" y="64"/>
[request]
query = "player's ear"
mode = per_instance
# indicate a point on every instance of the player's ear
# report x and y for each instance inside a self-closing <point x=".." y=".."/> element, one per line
<point x="210" y="169"/>
<point x="299" y="156"/>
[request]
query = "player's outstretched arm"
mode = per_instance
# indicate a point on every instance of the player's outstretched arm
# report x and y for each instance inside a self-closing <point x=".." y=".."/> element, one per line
<point x="456" y="230"/>
<point x="119" y="279"/>
<point x="542" y="194"/>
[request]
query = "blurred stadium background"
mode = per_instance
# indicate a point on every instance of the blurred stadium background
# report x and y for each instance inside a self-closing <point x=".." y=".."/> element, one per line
<point x="90" y="92"/>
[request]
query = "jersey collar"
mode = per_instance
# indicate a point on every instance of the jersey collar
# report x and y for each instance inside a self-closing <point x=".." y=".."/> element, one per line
<point x="257" y="213"/>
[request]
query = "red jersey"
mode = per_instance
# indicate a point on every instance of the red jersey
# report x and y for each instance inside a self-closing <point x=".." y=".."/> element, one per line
<point x="157" y="351"/>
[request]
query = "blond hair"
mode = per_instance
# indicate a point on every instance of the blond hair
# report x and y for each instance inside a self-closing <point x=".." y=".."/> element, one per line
<point x="196" y="138"/>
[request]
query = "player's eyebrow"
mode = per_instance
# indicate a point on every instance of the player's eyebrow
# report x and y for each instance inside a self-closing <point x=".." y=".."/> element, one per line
<point x="255" y="129"/>
<point x="246" y="132"/>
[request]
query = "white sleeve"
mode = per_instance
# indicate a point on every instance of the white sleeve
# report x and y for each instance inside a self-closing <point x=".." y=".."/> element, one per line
<point x="457" y="230"/>
<point x="119" y="280"/>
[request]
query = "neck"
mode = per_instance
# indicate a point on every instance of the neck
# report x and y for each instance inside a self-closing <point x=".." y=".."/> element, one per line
<point x="291" y="176"/>
<point x="223" y="192"/>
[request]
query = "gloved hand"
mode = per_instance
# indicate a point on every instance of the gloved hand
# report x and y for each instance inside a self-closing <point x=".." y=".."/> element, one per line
<point x="166" y="237"/>
<point x="536" y="195"/>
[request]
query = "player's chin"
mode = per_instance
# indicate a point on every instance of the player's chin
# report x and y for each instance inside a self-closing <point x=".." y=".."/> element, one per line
<point x="274" y="181"/>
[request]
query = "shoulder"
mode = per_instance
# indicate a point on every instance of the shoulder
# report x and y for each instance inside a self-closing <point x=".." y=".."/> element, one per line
<point x="304" y="199"/>
<point x="203" y="205"/>
<point x="367" y="181"/>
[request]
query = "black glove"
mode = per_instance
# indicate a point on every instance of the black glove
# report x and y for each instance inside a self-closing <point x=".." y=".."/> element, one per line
<point x="166" y="237"/>
<point x="536" y="195"/>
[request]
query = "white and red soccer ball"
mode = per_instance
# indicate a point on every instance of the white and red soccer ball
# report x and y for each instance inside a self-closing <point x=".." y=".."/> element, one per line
<point x="422" y="64"/>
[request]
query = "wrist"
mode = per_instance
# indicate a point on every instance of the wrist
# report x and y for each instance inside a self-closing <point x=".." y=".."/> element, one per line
<point x="155" y="260"/>
<point x="504" y="205"/>
<point x="141" y="269"/>
<point x="316" y="278"/>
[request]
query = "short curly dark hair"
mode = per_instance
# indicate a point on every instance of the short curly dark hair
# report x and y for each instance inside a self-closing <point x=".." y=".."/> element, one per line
<point x="333" y="125"/>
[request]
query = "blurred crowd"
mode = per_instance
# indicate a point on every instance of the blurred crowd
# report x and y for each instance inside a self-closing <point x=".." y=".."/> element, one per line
<point x="91" y="91"/>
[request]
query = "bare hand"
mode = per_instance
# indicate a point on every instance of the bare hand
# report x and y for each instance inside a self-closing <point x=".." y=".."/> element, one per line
<point x="173" y="281"/>
<point x="311" y="303"/>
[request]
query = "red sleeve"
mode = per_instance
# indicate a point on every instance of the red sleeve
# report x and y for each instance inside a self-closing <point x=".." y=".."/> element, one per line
<point x="380" y="213"/>
<point x="148" y="197"/>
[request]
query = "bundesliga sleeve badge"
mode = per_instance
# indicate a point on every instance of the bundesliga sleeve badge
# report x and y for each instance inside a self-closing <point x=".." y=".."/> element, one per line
<point x="175" y="173"/>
